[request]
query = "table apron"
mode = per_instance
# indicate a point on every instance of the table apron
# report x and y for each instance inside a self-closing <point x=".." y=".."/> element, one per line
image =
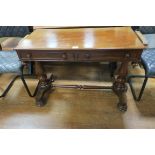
<point x="80" y="56"/>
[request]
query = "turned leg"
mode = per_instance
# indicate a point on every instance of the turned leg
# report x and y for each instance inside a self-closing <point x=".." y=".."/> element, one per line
<point x="44" y="85"/>
<point x="120" y="87"/>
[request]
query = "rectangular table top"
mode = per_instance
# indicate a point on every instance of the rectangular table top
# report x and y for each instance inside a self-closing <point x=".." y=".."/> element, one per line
<point x="81" y="38"/>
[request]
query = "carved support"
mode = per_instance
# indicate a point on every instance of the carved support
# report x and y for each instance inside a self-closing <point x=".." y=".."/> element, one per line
<point x="44" y="85"/>
<point x="120" y="87"/>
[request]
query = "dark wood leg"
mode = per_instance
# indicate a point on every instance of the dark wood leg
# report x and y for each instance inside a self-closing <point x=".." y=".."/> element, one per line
<point x="120" y="87"/>
<point x="44" y="85"/>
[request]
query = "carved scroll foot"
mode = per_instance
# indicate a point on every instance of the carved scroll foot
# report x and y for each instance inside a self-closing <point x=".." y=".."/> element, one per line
<point x="120" y="89"/>
<point x="122" y="107"/>
<point x="44" y="90"/>
<point x="45" y="85"/>
<point x="42" y="95"/>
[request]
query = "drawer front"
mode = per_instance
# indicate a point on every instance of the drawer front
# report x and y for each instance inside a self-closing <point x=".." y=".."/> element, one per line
<point x="107" y="56"/>
<point x="81" y="56"/>
<point x="46" y="56"/>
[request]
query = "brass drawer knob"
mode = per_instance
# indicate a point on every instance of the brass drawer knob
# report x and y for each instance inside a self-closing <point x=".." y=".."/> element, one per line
<point x="64" y="56"/>
<point x="28" y="55"/>
<point x="87" y="55"/>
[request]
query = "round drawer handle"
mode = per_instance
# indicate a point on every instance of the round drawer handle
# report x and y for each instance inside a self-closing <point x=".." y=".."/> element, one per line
<point x="28" y="55"/>
<point x="87" y="55"/>
<point x="64" y="56"/>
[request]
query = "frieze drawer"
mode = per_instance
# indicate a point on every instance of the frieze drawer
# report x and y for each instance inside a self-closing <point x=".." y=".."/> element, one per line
<point x="45" y="55"/>
<point x="106" y="55"/>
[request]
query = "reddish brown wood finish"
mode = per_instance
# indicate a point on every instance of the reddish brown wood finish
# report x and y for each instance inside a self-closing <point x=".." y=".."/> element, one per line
<point x="83" y="45"/>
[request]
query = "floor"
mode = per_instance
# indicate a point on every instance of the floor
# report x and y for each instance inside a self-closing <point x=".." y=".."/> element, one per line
<point x="76" y="109"/>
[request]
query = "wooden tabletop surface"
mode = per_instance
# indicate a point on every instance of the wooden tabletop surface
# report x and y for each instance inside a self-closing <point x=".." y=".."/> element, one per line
<point x="85" y="38"/>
